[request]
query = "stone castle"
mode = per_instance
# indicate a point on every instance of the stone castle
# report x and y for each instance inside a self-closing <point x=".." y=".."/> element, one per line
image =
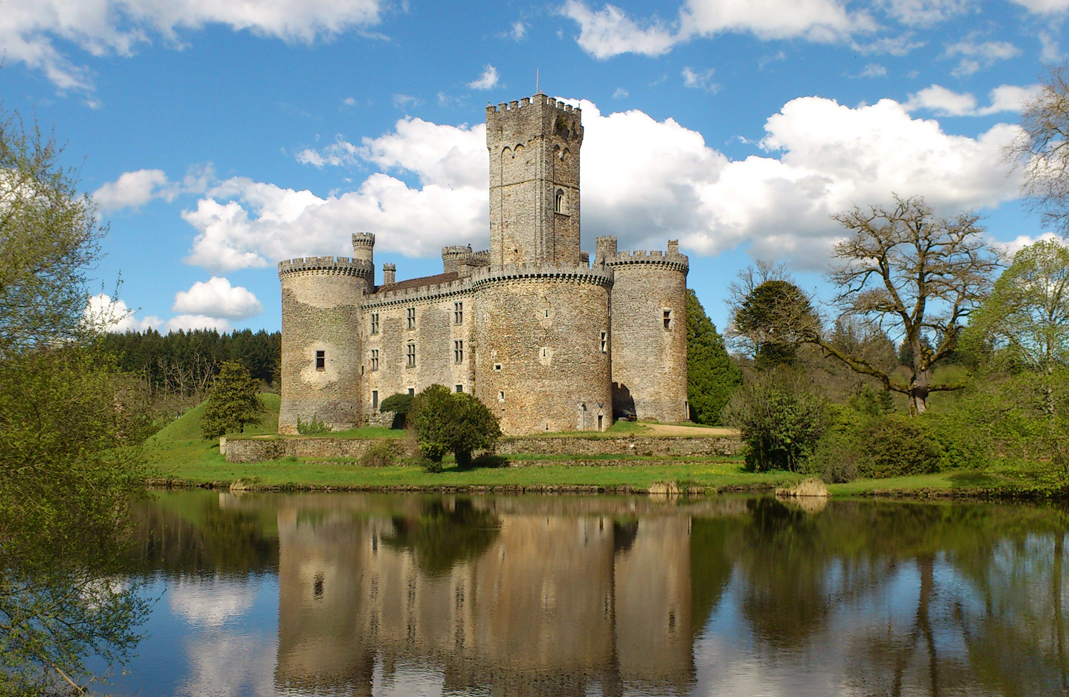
<point x="547" y="340"/>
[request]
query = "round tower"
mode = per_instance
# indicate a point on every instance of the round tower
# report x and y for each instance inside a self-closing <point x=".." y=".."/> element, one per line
<point x="649" y="331"/>
<point x="321" y="348"/>
<point x="544" y="359"/>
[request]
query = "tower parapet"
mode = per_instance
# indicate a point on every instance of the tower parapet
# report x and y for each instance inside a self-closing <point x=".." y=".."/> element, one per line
<point x="339" y="266"/>
<point x="364" y="246"/>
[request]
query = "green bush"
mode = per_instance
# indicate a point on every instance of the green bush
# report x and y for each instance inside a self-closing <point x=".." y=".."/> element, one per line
<point x="315" y="427"/>
<point x="897" y="446"/>
<point x="232" y="402"/>
<point x="445" y="421"/>
<point x="379" y="455"/>
<point x="836" y="456"/>
<point x="400" y="404"/>
<point x="779" y="421"/>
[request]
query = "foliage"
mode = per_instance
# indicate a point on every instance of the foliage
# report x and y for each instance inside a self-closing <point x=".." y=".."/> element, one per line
<point x="1026" y="318"/>
<point x="778" y="419"/>
<point x="835" y="457"/>
<point x="232" y="402"/>
<point x="907" y="271"/>
<point x="315" y="427"/>
<point x="711" y="374"/>
<point x="1041" y="148"/>
<point x="770" y="316"/>
<point x="445" y="422"/>
<point x="49" y="238"/>
<point x="400" y="403"/>
<point x="378" y="455"/>
<point x="441" y="537"/>
<point x="896" y="446"/>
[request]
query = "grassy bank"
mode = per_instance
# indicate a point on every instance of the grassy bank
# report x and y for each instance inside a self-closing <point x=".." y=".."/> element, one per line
<point x="180" y="455"/>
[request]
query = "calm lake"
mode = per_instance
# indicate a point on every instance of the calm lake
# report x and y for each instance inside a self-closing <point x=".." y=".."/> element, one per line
<point x="438" y="594"/>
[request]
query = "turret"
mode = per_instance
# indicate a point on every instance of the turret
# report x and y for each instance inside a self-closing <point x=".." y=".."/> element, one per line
<point x="453" y="257"/>
<point x="389" y="274"/>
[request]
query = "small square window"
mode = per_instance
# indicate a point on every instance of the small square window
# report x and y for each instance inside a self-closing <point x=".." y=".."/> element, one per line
<point x="497" y="366"/>
<point x="321" y="360"/>
<point x="411" y="390"/>
<point x="460" y="388"/>
<point x="668" y="319"/>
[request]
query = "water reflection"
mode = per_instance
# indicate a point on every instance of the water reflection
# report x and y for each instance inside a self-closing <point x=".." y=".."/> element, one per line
<point x="576" y="596"/>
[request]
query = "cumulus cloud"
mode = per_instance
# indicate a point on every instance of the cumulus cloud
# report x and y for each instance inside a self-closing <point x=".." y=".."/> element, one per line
<point x="1045" y="7"/>
<point x="945" y="102"/>
<point x="217" y="298"/>
<point x="135" y="189"/>
<point x="108" y="314"/>
<point x="30" y="29"/>
<point x="643" y="180"/>
<point x="923" y="13"/>
<point x="977" y="56"/>
<point x="486" y="81"/>
<point x="1010" y="249"/>
<point x="610" y="31"/>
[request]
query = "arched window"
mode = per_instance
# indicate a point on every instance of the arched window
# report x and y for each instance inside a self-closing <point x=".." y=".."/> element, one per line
<point x="558" y="203"/>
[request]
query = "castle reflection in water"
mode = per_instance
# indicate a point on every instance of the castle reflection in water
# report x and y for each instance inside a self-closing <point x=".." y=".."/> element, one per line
<point x="538" y="603"/>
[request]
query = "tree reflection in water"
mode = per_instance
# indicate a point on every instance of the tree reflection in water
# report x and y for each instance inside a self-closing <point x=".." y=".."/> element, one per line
<point x="572" y="595"/>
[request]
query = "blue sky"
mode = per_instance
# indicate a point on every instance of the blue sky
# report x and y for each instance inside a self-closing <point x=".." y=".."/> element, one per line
<point x="218" y="138"/>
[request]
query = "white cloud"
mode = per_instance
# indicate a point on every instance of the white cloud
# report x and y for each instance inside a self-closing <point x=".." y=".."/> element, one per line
<point x="217" y="298"/>
<point x="643" y="180"/>
<point x="108" y="314"/>
<point x="486" y="81"/>
<point x="944" y="102"/>
<point x="620" y="93"/>
<point x="891" y="45"/>
<point x="519" y="30"/>
<point x="610" y="32"/>
<point x="1044" y="6"/>
<point x="977" y="56"/>
<point x="702" y="80"/>
<point x="1015" y="245"/>
<point x="874" y="70"/>
<point x="1052" y="51"/>
<point x="926" y="12"/>
<point x="134" y="189"/>
<point x="30" y="29"/>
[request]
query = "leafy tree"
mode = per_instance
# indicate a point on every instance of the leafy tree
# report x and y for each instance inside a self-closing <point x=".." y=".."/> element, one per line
<point x="1041" y="148"/>
<point x="770" y="316"/>
<point x="450" y="422"/>
<point x="70" y="464"/>
<point x="232" y="402"/>
<point x="909" y="272"/>
<point x="397" y="403"/>
<point x="711" y="374"/>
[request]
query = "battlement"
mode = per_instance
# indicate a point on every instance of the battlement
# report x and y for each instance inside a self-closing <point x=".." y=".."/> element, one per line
<point x="669" y="259"/>
<point x="575" y="273"/>
<point x="408" y="295"/>
<point x="481" y="255"/>
<point x="536" y="100"/>
<point x="326" y="266"/>
<point x="457" y="250"/>
<point x="363" y="239"/>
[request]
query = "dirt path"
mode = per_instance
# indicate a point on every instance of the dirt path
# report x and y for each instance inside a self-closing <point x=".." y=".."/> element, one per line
<point x="668" y="430"/>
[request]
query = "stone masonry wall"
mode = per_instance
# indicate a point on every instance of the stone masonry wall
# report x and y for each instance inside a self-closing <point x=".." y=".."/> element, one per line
<point x="320" y="312"/>
<point x="261" y="450"/>
<point x="541" y="366"/>
<point x="649" y="369"/>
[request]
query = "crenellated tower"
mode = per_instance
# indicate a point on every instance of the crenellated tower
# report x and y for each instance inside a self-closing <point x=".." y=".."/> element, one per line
<point x="534" y="181"/>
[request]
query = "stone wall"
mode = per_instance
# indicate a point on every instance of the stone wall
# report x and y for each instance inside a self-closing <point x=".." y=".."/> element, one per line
<point x="261" y="450"/>
<point x="541" y="364"/>
<point x="649" y="361"/>
<point x="321" y="312"/>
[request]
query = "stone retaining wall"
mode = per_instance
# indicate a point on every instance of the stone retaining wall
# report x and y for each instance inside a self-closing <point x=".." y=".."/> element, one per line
<point x="671" y="446"/>
<point x="260" y="450"/>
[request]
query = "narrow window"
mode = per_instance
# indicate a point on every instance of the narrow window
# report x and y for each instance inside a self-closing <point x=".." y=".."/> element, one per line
<point x="410" y="355"/>
<point x="321" y="360"/>
<point x="604" y="342"/>
<point x="558" y="203"/>
<point x="667" y="319"/>
<point x="411" y="315"/>
<point x="545" y="352"/>
<point x="458" y="313"/>
<point x="547" y="313"/>
<point x="374" y="359"/>
<point x="374" y="323"/>
<point x="501" y="396"/>
<point x="601" y="422"/>
<point x="460" y="388"/>
<point x="374" y="399"/>
<point x="411" y="390"/>
<point x="458" y="351"/>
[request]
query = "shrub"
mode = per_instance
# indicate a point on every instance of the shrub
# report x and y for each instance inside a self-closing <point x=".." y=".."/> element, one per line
<point x="400" y="404"/>
<point x="378" y="455"/>
<point x="445" y="421"/>
<point x="896" y="446"/>
<point x="779" y="421"/>
<point x="835" y="457"/>
<point x="315" y="427"/>
<point x="232" y="402"/>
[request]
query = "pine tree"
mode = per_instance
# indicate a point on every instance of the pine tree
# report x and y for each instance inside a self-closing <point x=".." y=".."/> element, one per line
<point x="232" y="402"/>
<point x="711" y="374"/>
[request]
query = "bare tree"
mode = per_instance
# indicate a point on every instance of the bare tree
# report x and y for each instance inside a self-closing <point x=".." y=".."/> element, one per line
<point x="915" y="276"/>
<point x="1041" y="148"/>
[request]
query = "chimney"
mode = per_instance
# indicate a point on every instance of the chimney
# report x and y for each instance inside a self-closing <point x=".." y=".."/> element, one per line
<point x="389" y="274"/>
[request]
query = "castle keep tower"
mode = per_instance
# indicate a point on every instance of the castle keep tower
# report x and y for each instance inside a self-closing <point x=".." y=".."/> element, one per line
<point x="534" y="181"/>
<point x="321" y="348"/>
